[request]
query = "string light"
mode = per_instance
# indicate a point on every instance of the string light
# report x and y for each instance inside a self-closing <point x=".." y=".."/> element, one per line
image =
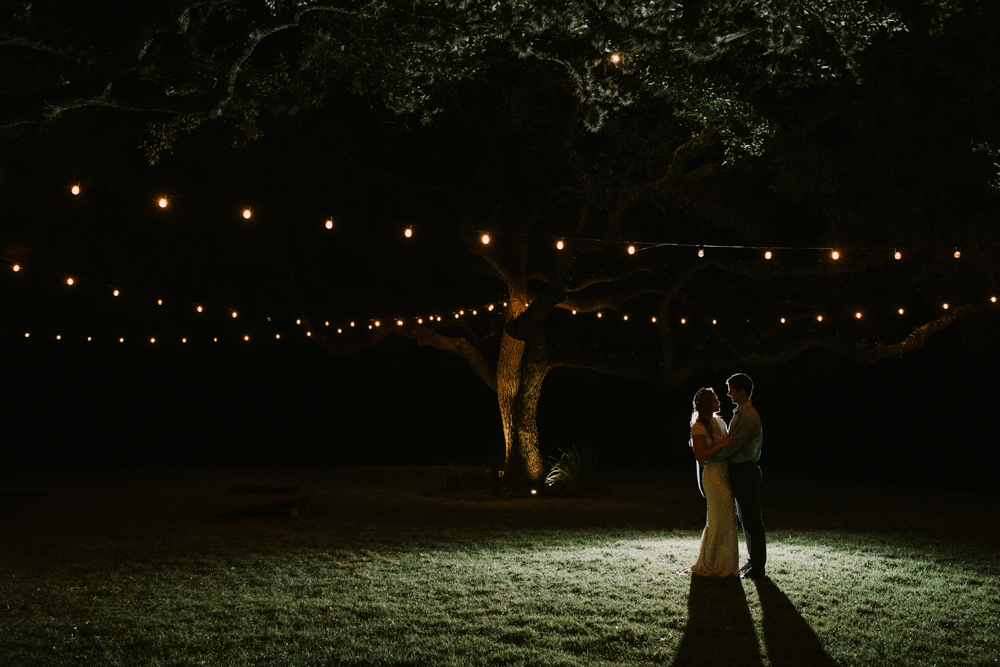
<point x="993" y="299"/>
<point x="901" y="311"/>
<point x="857" y="315"/>
<point x="408" y="233"/>
<point x="631" y="250"/>
<point x="309" y="333"/>
<point x="298" y="321"/>
<point x="598" y="314"/>
<point x="399" y="323"/>
<point x="352" y="324"/>
<point x="684" y="320"/>
<point x="27" y="335"/>
<point x="162" y="203"/>
<point x="247" y="213"/>
<point x="159" y="302"/>
<point x="246" y="337"/>
<point x="897" y="254"/>
<point x="819" y="318"/>
<point x="234" y="314"/>
<point x="714" y="322"/>
<point x="945" y="306"/>
<point x="75" y="189"/>
<point x="958" y="253"/>
<point x="69" y="281"/>
<point x="278" y="336"/>
<point x="654" y="319"/>
<point x="121" y="340"/>
<point x="782" y="320"/>
<point x="115" y="292"/>
<point x="326" y="324"/>
<point x="152" y="340"/>
<point x="199" y="309"/>
<point x="377" y="323"/>
<point x="835" y="255"/>
<point x="616" y="58"/>
<point x="625" y="317"/>
<point x="486" y="239"/>
<point x="17" y="268"/>
<point x="490" y="308"/>
<point x="329" y="224"/>
<point x="559" y="244"/>
<point x="701" y="251"/>
<point x="58" y="337"/>
<point x="184" y="340"/>
<point x="767" y="254"/>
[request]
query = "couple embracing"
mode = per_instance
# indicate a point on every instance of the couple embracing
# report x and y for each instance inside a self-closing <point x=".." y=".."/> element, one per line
<point x="729" y="456"/>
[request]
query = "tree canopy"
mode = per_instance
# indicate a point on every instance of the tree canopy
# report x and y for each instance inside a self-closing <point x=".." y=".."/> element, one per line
<point x="700" y="134"/>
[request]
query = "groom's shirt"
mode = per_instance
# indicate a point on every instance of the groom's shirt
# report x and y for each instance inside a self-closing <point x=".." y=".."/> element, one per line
<point x="745" y="428"/>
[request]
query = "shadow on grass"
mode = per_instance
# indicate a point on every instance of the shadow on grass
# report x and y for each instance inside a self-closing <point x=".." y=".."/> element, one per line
<point x="788" y="637"/>
<point x="720" y="629"/>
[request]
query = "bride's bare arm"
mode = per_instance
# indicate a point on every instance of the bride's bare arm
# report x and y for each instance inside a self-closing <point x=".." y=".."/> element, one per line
<point x="702" y="451"/>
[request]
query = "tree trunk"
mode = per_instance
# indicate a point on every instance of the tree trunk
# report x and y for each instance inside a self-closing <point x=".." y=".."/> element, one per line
<point x="520" y="373"/>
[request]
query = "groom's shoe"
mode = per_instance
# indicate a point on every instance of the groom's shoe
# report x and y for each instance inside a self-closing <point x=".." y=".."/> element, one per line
<point x="746" y="566"/>
<point x="753" y="574"/>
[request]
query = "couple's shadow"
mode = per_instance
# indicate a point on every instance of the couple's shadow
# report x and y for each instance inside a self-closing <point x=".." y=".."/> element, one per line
<point x="720" y="629"/>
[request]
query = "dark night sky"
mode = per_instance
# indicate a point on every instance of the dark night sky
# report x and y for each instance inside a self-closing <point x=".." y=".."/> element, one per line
<point x="73" y="404"/>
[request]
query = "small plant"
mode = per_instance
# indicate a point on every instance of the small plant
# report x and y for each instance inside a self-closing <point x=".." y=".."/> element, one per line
<point x="574" y="470"/>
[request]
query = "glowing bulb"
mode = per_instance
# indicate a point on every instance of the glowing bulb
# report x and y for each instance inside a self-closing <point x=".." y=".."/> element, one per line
<point x="701" y="251"/>
<point x="58" y="337"/>
<point x="819" y="318"/>
<point x="159" y="302"/>
<point x="326" y="324"/>
<point x="684" y="320"/>
<point x="490" y="308"/>
<point x="714" y="322"/>
<point x="234" y="313"/>
<point x="27" y="335"/>
<point x="215" y="340"/>
<point x="88" y="339"/>
<point x="654" y="319"/>
<point x="340" y="331"/>
<point x="152" y="340"/>
<point x="420" y="320"/>
<point x="329" y="224"/>
<point x="534" y="491"/>
<point x="897" y="255"/>
<point x="782" y="320"/>
<point x="246" y="338"/>
<point x="246" y="214"/>
<point x="377" y="323"/>
<point x="631" y="250"/>
<point x="857" y="315"/>
<point x="486" y="239"/>
<point x="504" y="304"/>
<point x="184" y="340"/>
<point x="309" y="333"/>
<point x="559" y="244"/>
<point x="473" y="312"/>
<point x="625" y="318"/>
<point x="75" y="189"/>
<point x="115" y="292"/>
<point x="17" y="268"/>
<point x="945" y="306"/>
<point x="835" y="255"/>
<point x="277" y="336"/>
<point x="408" y="233"/>
<point x="399" y="323"/>
<point x="616" y="58"/>
<point x="456" y="316"/>
<point x="438" y="318"/>
<point x="993" y="299"/>
<point x="69" y="281"/>
<point x="199" y="309"/>
<point x="599" y="315"/>
<point x="352" y="324"/>
<point x="958" y="253"/>
<point x="369" y="326"/>
<point x="900" y="311"/>
<point x="121" y="340"/>
<point x="767" y="255"/>
<point x="298" y="321"/>
<point x="162" y="203"/>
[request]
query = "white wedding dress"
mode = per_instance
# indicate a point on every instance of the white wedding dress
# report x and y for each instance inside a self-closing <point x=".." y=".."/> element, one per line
<point x="719" y="554"/>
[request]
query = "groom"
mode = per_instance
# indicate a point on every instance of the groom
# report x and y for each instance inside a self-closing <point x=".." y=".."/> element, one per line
<point x="744" y="473"/>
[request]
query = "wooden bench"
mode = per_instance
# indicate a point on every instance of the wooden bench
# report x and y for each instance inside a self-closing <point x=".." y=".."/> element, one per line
<point x="273" y="509"/>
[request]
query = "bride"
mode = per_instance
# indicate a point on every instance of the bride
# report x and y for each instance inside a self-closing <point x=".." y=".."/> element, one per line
<point x="719" y="554"/>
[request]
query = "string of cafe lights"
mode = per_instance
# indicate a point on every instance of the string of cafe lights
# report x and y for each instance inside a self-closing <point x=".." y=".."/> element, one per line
<point x="561" y="243"/>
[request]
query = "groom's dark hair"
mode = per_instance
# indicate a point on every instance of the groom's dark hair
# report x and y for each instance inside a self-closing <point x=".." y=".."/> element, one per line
<point x="741" y="382"/>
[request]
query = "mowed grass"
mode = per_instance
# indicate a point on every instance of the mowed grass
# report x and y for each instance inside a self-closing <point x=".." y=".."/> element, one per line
<point x="130" y="568"/>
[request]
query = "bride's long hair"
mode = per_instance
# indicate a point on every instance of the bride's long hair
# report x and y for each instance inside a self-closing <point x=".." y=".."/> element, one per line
<point x="702" y="412"/>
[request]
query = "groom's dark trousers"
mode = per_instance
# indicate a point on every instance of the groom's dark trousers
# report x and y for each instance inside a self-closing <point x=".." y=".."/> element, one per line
<point x="745" y="480"/>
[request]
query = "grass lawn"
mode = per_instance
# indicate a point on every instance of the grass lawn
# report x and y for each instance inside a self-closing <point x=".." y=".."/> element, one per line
<point x="130" y="568"/>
